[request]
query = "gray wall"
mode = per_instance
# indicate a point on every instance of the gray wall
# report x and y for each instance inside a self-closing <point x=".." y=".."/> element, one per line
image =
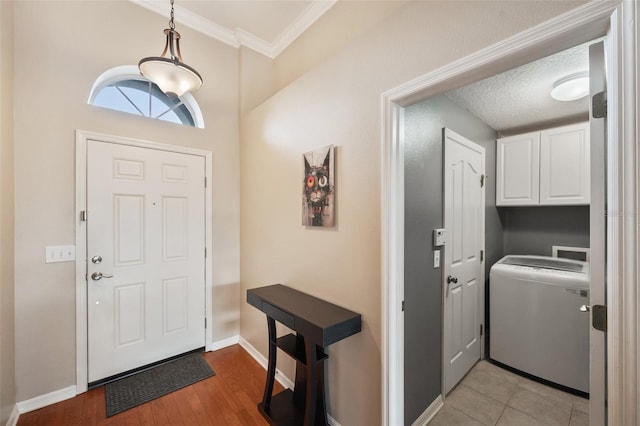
<point x="533" y="230"/>
<point x="423" y="213"/>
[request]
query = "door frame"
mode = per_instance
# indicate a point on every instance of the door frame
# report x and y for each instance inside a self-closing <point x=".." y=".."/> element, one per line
<point x="617" y="19"/>
<point x="443" y="282"/>
<point x="82" y="137"/>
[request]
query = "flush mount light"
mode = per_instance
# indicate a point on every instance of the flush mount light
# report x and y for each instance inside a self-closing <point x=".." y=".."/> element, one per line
<point x="571" y="87"/>
<point x="172" y="76"/>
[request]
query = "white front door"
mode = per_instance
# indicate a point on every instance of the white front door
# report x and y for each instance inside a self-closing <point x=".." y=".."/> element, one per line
<point x="146" y="237"/>
<point x="463" y="265"/>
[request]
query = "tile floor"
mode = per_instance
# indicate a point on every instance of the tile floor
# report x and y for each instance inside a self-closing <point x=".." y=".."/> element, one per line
<point x="490" y="395"/>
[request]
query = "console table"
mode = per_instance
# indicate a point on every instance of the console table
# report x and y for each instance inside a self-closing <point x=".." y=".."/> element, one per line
<point x="317" y="324"/>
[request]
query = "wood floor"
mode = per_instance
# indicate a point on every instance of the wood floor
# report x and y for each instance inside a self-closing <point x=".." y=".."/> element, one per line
<point x="228" y="398"/>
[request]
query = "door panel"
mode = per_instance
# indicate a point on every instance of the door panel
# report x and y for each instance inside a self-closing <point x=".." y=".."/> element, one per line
<point x="145" y="212"/>
<point x="470" y="314"/>
<point x="564" y="165"/>
<point x="463" y="270"/>
<point x="456" y="322"/>
<point x="128" y="229"/>
<point x="457" y="213"/>
<point x="176" y="304"/>
<point x="129" y="313"/>
<point x="518" y="170"/>
<point x="174" y="228"/>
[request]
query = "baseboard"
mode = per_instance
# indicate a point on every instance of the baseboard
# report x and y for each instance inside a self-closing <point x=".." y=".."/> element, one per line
<point x="280" y="377"/>
<point x="13" y="418"/>
<point x="47" y="399"/>
<point x="219" y="344"/>
<point x="430" y="412"/>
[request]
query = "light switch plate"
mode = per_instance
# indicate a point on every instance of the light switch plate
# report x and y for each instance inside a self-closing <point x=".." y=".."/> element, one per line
<point x="55" y="254"/>
<point x="436" y="259"/>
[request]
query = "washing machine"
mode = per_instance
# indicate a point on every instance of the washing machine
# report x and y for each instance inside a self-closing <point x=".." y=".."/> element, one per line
<point x="536" y="323"/>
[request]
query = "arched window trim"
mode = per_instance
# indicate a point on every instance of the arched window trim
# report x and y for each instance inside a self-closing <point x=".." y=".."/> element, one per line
<point x="131" y="72"/>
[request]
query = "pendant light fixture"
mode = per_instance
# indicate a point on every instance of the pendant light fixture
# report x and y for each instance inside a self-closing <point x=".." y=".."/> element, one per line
<point x="172" y="76"/>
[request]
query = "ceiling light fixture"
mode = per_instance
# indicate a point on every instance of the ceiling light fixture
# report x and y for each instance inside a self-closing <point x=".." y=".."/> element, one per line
<point x="571" y="87"/>
<point x="173" y="76"/>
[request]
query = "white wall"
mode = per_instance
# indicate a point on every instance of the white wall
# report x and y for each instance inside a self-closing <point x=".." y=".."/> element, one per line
<point x="60" y="49"/>
<point x="340" y="24"/>
<point x="7" y="342"/>
<point x="257" y="79"/>
<point x="338" y="101"/>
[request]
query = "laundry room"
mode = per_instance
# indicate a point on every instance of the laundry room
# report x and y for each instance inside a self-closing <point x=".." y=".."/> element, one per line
<point x="532" y="217"/>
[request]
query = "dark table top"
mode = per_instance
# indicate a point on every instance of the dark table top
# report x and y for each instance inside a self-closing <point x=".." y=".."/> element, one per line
<point x="320" y="321"/>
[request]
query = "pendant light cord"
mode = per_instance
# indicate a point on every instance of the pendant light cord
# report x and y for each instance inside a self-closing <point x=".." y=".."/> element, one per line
<point x="171" y="24"/>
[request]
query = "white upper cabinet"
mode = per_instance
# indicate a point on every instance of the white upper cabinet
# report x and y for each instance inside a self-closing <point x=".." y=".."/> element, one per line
<point x="550" y="167"/>
<point x="564" y="165"/>
<point x="518" y="170"/>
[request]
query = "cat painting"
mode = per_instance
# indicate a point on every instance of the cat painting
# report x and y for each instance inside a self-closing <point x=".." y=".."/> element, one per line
<point x="318" y="190"/>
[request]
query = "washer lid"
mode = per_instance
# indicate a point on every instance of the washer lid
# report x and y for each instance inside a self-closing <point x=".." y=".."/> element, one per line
<point x="545" y="263"/>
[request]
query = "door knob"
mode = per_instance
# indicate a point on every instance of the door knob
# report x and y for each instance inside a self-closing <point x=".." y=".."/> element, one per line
<point x="585" y="308"/>
<point x="97" y="276"/>
<point x="451" y="279"/>
<point x="96" y="259"/>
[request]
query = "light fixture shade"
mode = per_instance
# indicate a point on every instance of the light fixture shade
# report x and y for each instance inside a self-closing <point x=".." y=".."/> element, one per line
<point x="170" y="74"/>
<point x="571" y="87"/>
<point x="172" y="77"/>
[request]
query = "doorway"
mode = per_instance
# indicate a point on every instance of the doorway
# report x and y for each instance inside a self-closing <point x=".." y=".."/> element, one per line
<point x="575" y="27"/>
<point x="142" y="275"/>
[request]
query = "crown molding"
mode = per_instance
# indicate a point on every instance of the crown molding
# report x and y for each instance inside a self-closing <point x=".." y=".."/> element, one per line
<point x="253" y="42"/>
<point x="310" y="15"/>
<point x="192" y="20"/>
<point x="240" y="37"/>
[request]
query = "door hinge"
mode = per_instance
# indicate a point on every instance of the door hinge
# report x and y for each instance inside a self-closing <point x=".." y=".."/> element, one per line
<point x="599" y="105"/>
<point x="403" y="306"/>
<point x="481" y="329"/>
<point x="481" y="255"/>
<point x="599" y="317"/>
<point x="205" y="323"/>
<point x="83" y="215"/>
<point x="205" y="252"/>
<point x="481" y="181"/>
<point x="205" y="181"/>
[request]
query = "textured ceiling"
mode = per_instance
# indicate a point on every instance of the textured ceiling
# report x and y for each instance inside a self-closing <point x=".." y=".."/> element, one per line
<point x="519" y="99"/>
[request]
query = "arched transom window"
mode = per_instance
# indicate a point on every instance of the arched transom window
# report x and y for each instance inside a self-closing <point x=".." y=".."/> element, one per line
<point x="124" y="89"/>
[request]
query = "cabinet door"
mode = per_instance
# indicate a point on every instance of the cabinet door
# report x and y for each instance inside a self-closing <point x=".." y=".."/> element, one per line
<point x="518" y="170"/>
<point x="564" y="165"/>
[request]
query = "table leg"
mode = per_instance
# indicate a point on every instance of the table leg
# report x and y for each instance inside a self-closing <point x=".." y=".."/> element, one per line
<point x="311" y="394"/>
<point x="271" y="370"/>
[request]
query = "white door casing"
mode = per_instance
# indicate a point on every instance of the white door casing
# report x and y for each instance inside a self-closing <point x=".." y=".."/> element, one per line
<point x="617" y="19"/>
<point x="463" y="285"/>
<point x="161" y="289"/>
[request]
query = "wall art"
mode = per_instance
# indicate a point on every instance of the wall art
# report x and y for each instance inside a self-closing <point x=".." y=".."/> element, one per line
<point x="318" y="188"/>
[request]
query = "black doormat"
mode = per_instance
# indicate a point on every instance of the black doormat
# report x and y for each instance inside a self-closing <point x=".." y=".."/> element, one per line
<point x="155" y="382"/>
